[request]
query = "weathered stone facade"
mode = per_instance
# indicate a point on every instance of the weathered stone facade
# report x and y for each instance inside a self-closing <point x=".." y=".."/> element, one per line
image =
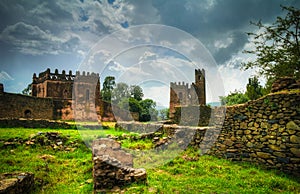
<point x="182" y="94"/>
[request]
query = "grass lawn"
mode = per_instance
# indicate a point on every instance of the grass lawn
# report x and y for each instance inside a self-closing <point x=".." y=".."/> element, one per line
<point x="68" y="169"/>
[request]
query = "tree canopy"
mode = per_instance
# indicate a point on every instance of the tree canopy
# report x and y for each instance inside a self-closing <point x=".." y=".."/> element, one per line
<point x="129" y="98"/>
<point x="277" y="46"/>
<point x="108" y="85"/>
<point x="236" y="97"/>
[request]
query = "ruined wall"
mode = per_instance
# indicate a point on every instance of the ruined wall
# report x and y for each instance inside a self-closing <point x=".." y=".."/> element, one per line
<point x="21" y="106"/>
<point x="265" y="131"/>
<point x="112" y="166"/>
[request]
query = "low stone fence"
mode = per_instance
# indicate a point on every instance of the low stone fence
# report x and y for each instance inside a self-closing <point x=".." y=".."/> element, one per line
<point x="112" y="166"/>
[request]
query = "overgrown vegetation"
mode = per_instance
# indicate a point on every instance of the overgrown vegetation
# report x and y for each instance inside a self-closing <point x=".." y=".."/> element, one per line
<point x="70" y="170"/>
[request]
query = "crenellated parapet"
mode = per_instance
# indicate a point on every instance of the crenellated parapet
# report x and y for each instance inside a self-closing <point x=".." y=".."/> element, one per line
<point x="63" y="76"/>
<point x="48" y="75"/>
<point x="179" y="84"/>
<point x="86" y="77"/>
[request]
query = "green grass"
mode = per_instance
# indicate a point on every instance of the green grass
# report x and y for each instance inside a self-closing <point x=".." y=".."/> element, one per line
<point x="61" y="171"/>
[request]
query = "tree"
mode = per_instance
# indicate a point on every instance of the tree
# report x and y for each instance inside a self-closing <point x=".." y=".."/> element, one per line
<point x="253" y="89"/>
<point x="27" y="90"/>
<point x="136" y="92"/>
<point x="119" y="92"/>
<point x="108" y="85"/>
<point x="235" y="97"/>
<point x="148" y="110"/>
<point x="277" y="46"/>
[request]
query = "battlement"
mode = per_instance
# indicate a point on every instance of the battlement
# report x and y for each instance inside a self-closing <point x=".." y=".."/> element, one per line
<point x="179" y="84"/>
<point x="47" y="75"/>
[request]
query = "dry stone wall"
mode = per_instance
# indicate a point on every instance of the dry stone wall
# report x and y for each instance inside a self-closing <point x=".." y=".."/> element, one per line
<point x="112" y="166"/>
<point x="265" y="131"/>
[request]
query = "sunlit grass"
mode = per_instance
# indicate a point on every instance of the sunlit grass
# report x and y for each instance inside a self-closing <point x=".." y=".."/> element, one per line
<point x="61" y="171"/>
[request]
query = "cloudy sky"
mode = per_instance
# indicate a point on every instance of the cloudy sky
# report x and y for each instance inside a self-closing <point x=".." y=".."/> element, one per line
<point x="148" y="43"/>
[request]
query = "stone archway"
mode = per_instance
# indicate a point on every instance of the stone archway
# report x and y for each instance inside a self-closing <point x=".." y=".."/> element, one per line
<point x="27" y="113"/>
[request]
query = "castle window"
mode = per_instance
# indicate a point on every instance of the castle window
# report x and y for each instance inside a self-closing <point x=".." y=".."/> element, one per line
<point x="87" y="95"/>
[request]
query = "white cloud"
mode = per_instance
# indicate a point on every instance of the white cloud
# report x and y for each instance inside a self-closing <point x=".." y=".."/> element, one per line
<point x="4" y="76"/>
<point x="30" y="39"/>
<point x="160" y="94"/>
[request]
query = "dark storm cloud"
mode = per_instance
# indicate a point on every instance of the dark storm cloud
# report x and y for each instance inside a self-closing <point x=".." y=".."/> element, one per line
<point x="212" y="21"/>
<point x="29" y="26"/>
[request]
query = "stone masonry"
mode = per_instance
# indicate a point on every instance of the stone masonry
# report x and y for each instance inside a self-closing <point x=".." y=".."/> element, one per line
<point x="112" y="166"/>
<point x="265" y="131"/>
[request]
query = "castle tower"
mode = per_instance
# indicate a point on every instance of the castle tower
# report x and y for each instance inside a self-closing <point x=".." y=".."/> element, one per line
<point x="183" y="95"/>
<point x="199" y="86"/>
<point x="70" y="92"/>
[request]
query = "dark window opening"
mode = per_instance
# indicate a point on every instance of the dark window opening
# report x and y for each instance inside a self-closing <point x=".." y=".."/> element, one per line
<point x="27" y="113"/>
<point x="87" y="95"/>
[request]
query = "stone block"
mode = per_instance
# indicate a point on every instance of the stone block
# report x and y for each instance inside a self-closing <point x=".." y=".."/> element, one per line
<point x="263" y="155"/>
<point x="295" y="139"/>
<point x="11" y="183"/>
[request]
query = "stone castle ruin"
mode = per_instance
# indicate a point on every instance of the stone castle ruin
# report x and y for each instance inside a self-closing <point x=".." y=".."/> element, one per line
<point x="182" y="94"/>
<point x="68" y="96"/>
<point x="55" y="96"/>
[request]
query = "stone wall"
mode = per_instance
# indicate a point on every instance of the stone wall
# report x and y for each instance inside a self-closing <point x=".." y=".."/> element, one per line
<point x="112" y="166"/>
<point x="265" y="131"/>
<point x="21" y="106"/>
